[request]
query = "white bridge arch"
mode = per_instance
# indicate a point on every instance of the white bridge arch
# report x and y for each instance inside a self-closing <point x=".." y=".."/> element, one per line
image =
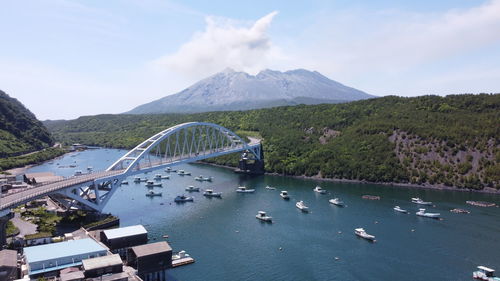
<point x="183" y="143"/>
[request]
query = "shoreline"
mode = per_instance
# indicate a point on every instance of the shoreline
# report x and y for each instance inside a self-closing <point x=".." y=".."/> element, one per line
<point x="22" y="170"/>
<point x="486" y="190"/>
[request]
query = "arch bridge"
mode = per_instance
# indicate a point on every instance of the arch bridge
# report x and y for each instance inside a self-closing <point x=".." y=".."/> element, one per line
<point x="183" y="143"/>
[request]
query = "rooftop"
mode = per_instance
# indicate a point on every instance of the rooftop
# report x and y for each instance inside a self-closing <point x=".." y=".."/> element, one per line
<point x="61" y="249"/>
<point x="74" y="275"/>
<point x="103" y="261"/>
<point x="8" y="258"/>
<point x="151" y="249"/>
<point x="125" y="231"/>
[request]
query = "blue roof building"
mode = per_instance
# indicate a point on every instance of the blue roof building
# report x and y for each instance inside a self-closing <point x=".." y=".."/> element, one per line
<point x="56" y="256"/>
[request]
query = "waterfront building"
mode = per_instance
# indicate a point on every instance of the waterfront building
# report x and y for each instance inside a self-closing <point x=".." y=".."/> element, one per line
<point x="151" y="260"/>
<point x="50" y="258"/>
<point x="119" y="240"/>
<point x="8" y="265"/>
<point x="102" y="266"/>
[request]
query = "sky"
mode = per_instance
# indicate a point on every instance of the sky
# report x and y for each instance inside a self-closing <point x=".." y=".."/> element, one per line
<point x="67" y="58"/>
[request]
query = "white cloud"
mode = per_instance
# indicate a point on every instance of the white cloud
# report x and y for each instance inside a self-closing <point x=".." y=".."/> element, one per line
<point x="224" y="43"/>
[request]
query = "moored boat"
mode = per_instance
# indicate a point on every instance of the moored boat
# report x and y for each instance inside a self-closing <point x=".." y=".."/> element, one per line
<point x="153" y="184"/>
<point x="261" y="215"/>
<point x="124" y="182"/>
<point x="399" y="209"/>
<point x="183" y="198"/>
<point x="320" y="190"/>
<point x="460" y="211"/>
<point x="485" y="273"/>
<point x="302" y="206"/>
<point x="192" y="189"/>
<point x="422" y="213"/>
<point x="202" y="178"/>
<point x="371" y="197"/>
<point x="270" y="187"/>
<point x="211" y="193"/>
<point x="169" y="170"/>
<point x="161" y="177"/>
<point x="244" y="189"/>
<point x="183" y="173"/>
<point x="337" y="202"/>
<point x="284" y="195"/>
<point x="419" y="201"/>
<point x="139" y="179"/>
<point x="152" y="193"/>
<point x="362" y="233"/>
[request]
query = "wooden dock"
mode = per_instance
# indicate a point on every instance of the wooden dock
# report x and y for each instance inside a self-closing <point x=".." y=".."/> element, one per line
<point x="182" y="261"/>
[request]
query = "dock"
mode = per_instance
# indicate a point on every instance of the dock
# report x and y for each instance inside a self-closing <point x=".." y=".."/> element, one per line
<point x="182" y="261"/>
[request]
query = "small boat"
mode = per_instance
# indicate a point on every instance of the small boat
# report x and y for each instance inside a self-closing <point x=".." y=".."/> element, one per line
<point x="183" y="173"/>
<point x="152" y="193"/>
<point x="270" y="187"/>
<point x="183" y="198"/>
<point x="124" y="182"/>
<point x="211" y="193"/>
<point x="90" y="168"/>
<point x="192" y="188"/>
<point x="244" y="189"/>
<point x="362" y="233"/>
<point x="72" y="166"/>
<point x="460" y="211"/>
<point x="337" y="202"/>
<point x="168" y="170"/>
<point x="153" y="184"/>
<point x="138" y="179"/>
<point x="284" y="195"/>
<point x="319" y="190"/>
<point x="161" y="177"/>
<point x="398" y="209"/>
<point x="422" y="213"/>
<point x="202" y="178"/>
<point x="485" y="273"/>
<point x="302" y="206"/>
<point x="371" y="197"/>
<point x="261" y="215"/>
<point x="78" y="173"/>
<point x="419" y="201"/>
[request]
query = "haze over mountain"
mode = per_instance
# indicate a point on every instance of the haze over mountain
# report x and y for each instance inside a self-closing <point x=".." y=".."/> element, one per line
<point x="233" y="90"/>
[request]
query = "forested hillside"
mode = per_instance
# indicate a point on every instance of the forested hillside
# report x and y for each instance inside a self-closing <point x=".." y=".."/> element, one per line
<point x="452" y="141"/>
<point x="20" y="131"/>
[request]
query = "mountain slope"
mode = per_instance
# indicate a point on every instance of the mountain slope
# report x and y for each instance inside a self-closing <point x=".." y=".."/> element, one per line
<point x="429" y="140"/>
<point x="231" y="90"/>
<point x="20" y="131"/>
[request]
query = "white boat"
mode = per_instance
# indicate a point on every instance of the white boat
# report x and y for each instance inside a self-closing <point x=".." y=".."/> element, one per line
<point x="161" y="177"/>
<point x="153" y="184"/>
<point x="270" y="187"/>
<point x="138" y="179"/>
<point x="284" y="195"/>
<point x="152" y="193"/>
<point x="90" y="168"/>
<point x="362" y="233"/>
<point x="422" y="213"/>
<point x="168" y="170"/>
<point x="320" y="190"/>
<point x="419" y="201"/>
<point x="485" y="273"/>
<point x="202" y="178"/>
<point x="211" y="193"/>
<point x="398" y="209"/>
<point x="183" y="173"/>
<point x="78" y="173"/>
<point x="244" y="189"/>
<point x="337" y="202"/>
<point x="183" y="198"/>
<point x="192" y="188"/>
<point x="261" y="215"/>
<point x="302" y="206"/>
<point x="124" y="182"/>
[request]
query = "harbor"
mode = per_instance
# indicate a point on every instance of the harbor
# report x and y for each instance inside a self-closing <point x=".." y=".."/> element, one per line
<point x="215" y="231"/>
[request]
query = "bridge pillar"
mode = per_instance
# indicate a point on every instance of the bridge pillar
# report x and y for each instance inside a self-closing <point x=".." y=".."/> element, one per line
<point x="251" y="165"/>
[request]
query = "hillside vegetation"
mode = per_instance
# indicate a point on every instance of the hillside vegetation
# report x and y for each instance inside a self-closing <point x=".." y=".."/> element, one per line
<point x="452" y="141"/>
<point x="20" y="131"/>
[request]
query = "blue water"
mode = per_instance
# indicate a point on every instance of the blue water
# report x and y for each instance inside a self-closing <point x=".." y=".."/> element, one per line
<point x="229" y="243"/>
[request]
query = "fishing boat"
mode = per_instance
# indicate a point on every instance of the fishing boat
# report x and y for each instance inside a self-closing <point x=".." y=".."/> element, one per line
<point x="302" y="206"/>
<point x="419" y="201"/>
<point x="284" y="195"/>
<point x="183" y="173"/>
<point x="161" y="177"/>
<point x="360" y="232"/>
<point x="138" y="179"/>
<point x="202" y="178"/>
<point x="319" y="190"/>
<point x="485" y="273"/>
<point x="153" y="184"/>
<point x="192" y="189"/>
<point x="422" y="213"/>
<point x="270" y="187"/>
<point x="183" y="198"/>
<point x="168" y="170"/>
<point x="153" y="194"/>
<point x="261" y="215"/>
<point x="244" y="189"/>
<point x="211" y="193"/>
<point x="337" y="202"/>
<point x="398" y="209"/>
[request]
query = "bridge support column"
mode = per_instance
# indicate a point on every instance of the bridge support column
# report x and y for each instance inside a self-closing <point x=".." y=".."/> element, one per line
<point x="251" y="166"/>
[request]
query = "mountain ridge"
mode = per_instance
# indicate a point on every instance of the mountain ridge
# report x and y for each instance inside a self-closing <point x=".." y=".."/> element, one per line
<point x="231" y="90"/>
